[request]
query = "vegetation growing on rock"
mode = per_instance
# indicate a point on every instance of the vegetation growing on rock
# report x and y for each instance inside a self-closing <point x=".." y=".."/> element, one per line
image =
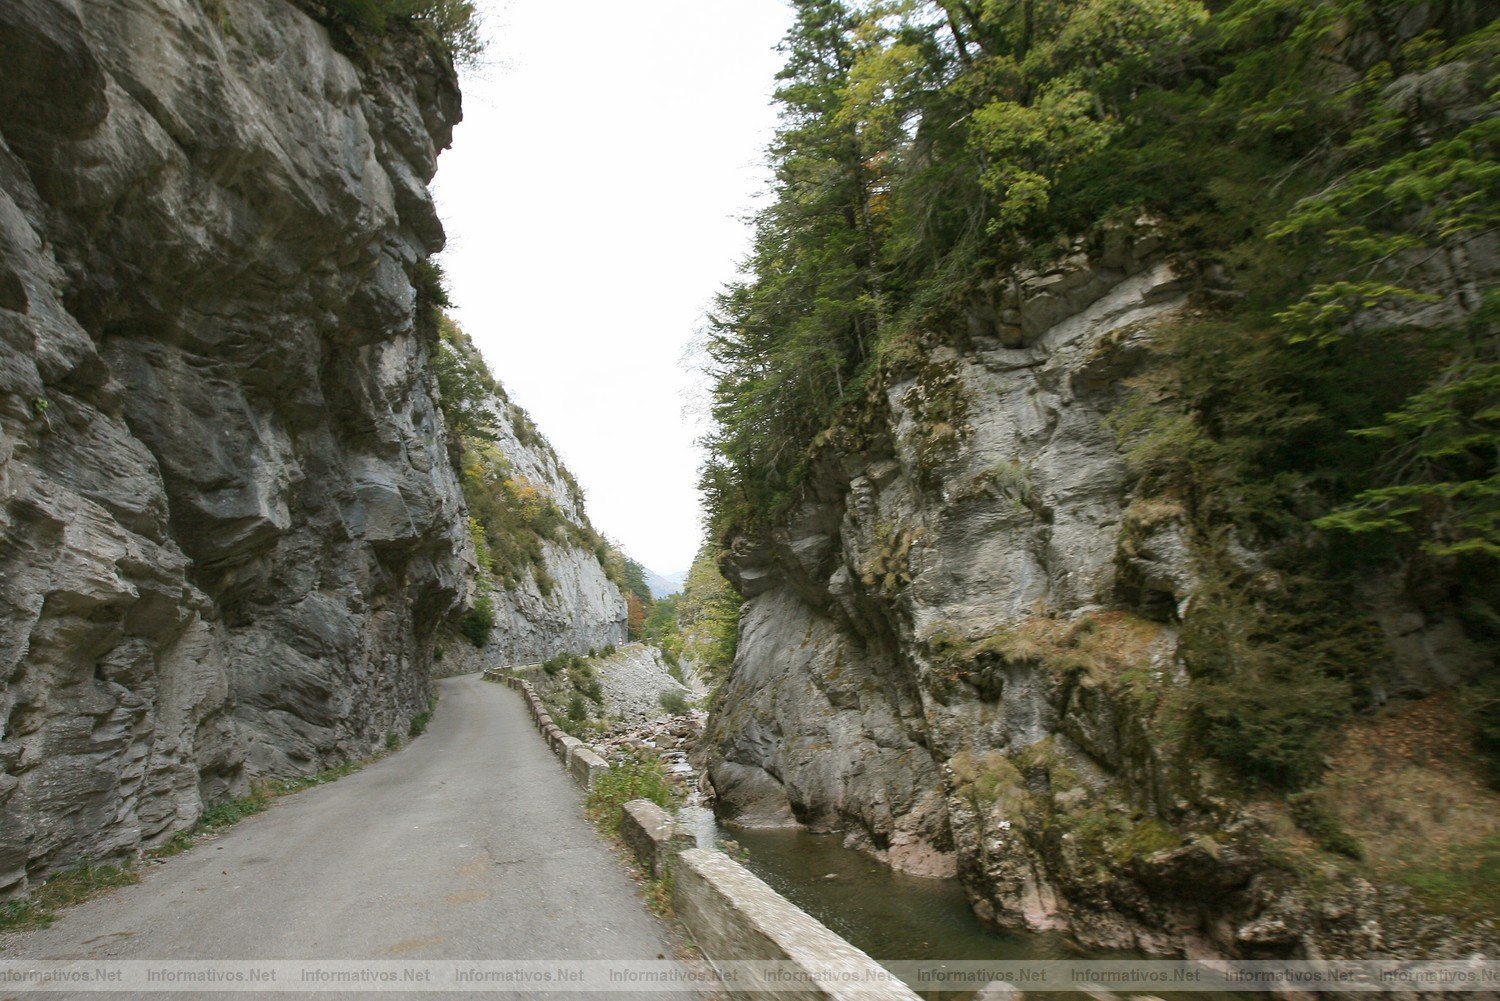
<point x="1333" y="407"/>
<point x="1108" y="413"/>
<point x="701" y="625"/>
<point x="453" y="24"/>
<point x="515" y="520"/>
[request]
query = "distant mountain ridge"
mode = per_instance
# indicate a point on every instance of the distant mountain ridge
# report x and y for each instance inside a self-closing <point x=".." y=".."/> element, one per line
<point x="663" y="585"/>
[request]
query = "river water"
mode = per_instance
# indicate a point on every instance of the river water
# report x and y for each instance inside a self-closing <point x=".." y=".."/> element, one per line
<point x="889" y="915"/>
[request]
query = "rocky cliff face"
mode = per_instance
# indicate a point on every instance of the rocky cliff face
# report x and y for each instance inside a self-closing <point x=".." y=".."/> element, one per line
<point x="582" y="611"/>
<point x="567" y="604"/>
<point x="960" y="648"/>
<point x="229" y="525"/>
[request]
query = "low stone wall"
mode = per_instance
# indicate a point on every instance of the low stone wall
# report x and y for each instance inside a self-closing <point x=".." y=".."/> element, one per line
<point x="586" y="766"/>
<point x="730" y="912"/>
<point x="734" y="915"/>
<point x="648" y="831"/>
<point x="578" y="759"/>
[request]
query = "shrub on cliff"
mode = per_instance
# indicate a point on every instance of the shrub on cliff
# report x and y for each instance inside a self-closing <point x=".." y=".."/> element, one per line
<point x="478" y="621"/>
<point x="465" y="395"/>
<point x="519" y="518"/>
<point x="453" y="23"/>
<point x="514" y="518"/>
<point x="1276" y="665"/>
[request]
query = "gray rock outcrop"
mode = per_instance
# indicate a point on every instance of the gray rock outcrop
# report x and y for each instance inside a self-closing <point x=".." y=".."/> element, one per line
<point x="230" y="529"/>
<point x="232" y="535"/>
<point x="568" y="604"/>
<point x="582" y="611"/>
<point x="953" y="648"/>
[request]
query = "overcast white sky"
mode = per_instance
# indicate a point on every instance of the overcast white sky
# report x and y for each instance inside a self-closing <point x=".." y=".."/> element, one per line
<point x="594" y="200"/>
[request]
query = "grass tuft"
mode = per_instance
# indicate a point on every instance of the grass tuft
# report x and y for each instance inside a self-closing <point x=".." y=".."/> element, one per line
<point x="63" y="890"/>
<point x="637" y="776"/>
<point x="1464" y="881"/>
<point x="419" y="724"/>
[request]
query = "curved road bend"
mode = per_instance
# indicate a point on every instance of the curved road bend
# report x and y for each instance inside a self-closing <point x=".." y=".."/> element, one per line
<point x="469" y="844"/>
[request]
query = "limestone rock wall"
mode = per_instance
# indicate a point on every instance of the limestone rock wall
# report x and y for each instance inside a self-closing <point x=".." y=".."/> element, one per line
<point x="579" y="609"/>
<point x="583" y="611"/>
<point x="229" y="528"/>
<point x="951" y="648"/>
<point x="830" y="715"/>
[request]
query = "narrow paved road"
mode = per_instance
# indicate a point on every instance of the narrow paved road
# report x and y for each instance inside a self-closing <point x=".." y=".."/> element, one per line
<point x="469" y="844"/>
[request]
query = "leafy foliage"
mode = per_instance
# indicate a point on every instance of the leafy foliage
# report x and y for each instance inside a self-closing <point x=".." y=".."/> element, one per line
<point x="512" y="518"/>
<point x="1277" y="665"/>
<point x="466" y="390"/>
<point x="921" y="144"/>
<point x="562" y="662"/>
<point x="630" y="577"/>
<point x="518" y="518"/>
<point x="1339" y="410"/>
<point x="634" y="776"/>
<point x="478" y="621"/>
<point x="661" y="624"/>
<point x="702" y="623"/>
<point x="583" y="679"/>
<point x="673" y="702"/>
<point x="453" y="24"/>
<point x="1442" y="481"/>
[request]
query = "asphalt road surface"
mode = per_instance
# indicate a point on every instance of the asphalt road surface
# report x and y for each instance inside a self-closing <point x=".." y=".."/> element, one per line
<point x="468" y="845"/>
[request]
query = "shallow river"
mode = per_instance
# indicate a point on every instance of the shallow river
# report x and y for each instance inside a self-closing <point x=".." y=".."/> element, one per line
<point x="889" y="915"/>
<point x="892" y="916"/>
